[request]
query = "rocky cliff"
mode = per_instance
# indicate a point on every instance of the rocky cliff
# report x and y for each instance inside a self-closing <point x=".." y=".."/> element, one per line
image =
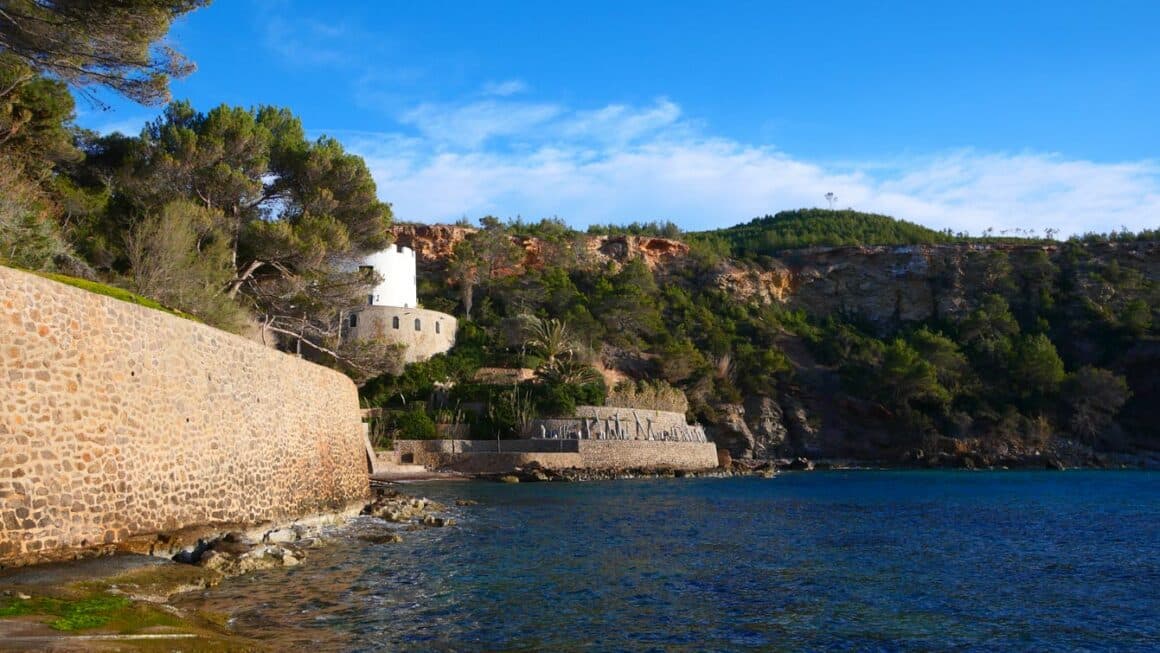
<point x="882" y="285"/>
<point x="434" y="244"/>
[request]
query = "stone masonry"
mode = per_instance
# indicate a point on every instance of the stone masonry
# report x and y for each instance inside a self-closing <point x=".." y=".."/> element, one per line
<point x="118" y="421"/>
<point x="423" y="332"/>
<point x="490" y="456"/>
<point x="618" y="423"/>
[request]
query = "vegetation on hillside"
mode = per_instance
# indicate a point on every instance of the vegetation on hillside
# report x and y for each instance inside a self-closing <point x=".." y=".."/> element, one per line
<point x="1040" y="354"/>
<point x="770" y="234"/>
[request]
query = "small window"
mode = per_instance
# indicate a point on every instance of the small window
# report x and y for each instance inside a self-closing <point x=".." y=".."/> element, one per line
<point x="395" y="322"/>
<point x="418" y="325"/>
<point x="436" y="326"/>
<point x="370" y="300"/>
<point x="353" y="320"/>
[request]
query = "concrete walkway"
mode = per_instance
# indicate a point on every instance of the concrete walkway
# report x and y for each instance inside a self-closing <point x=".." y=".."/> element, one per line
<point x="400" y="473"/>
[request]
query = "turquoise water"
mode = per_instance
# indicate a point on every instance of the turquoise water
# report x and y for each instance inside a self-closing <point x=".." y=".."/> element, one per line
<point x="828" y="560"/>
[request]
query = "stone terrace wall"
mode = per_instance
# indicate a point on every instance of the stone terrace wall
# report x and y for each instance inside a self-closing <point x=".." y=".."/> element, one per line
<point x="118" y="422"/>
<point x="613" y="454"/>
<point x="481" y="456"/>
<point x="611" y="422"/>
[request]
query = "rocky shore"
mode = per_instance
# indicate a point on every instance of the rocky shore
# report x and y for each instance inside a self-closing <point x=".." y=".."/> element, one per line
<point x="123" y="601"/>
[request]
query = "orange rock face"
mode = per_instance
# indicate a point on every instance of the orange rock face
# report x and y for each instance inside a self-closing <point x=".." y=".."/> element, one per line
<point x="431" y="242"/>
<point x="434" y="244"/>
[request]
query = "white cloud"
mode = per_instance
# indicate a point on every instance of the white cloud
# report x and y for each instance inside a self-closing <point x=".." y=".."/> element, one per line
<point x="617" y="123"/>
<point x="505" y="88"/>
<point x="622" y="163"/>
<point x="470" y="125"/>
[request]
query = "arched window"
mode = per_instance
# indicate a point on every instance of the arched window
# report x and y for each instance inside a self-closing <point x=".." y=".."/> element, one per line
<point x="418" y="326"/>
<point x="395" y="322"/>
<point x="437" y="327"/>
<point x="353" y="320"/>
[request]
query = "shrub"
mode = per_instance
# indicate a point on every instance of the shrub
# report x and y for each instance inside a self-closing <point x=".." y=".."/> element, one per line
<point x="416" y="424"/>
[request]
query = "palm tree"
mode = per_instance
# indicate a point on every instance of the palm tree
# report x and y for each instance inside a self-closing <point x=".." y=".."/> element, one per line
<point x="549" y="338"/>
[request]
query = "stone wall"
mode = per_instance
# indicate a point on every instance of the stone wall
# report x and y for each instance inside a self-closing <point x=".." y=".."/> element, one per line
<point x="425" y="333"/>
<point x="613" y="454"/>
<point x="119" y="422"/>
<point x="484" y="456"/>
<point x="615" y="423"/>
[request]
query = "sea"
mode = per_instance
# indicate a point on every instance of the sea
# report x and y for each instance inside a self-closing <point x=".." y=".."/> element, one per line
<point x="807" y="561"/>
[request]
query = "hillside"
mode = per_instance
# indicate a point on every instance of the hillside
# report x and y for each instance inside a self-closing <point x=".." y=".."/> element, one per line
<point x="770" y="234"/>
<point x="942" y="352"/>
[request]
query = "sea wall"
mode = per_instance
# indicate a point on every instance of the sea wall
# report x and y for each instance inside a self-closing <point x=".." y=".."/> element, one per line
<point x="120" y="422"/>
<point x="490" y="456"/>
<point x="612" y="454"/>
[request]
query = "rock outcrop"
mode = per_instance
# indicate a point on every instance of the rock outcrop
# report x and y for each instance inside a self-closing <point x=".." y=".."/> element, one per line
<point x="434" y="245"/>
<point x="753" y="429"/>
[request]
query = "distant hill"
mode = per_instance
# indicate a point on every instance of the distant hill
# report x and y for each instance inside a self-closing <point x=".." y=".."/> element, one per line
<point x="814" y="227"/>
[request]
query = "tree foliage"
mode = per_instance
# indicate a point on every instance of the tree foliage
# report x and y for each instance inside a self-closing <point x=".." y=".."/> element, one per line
<point x="109" y="43"/>
<point x="813" y="227"/>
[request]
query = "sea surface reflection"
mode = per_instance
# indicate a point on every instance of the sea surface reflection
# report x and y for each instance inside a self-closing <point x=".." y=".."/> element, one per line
<point x="848" y="560"/>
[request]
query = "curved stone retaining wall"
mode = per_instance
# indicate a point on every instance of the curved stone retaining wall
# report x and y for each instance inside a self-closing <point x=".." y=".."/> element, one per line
<point x="118" y="422"/>
<point x="424" y="332"/>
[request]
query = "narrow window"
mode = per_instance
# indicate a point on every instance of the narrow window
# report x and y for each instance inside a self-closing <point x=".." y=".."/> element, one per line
<point x="436" y="326"/>
<point x="370" y="300"/>
<point x="418" y="327"/>
<point x="395" y="322"/>
<point x="353" y="320"/>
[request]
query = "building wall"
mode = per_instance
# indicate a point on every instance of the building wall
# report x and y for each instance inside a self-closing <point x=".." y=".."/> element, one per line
<point x="118" y="421"/>
<point x="397" y="267"/>
<point x="488" y="456"/>
<point x="435" y="335"/>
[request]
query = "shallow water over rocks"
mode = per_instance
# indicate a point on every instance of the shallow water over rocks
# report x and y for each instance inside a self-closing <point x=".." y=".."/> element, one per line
<point x="862" y="560"/>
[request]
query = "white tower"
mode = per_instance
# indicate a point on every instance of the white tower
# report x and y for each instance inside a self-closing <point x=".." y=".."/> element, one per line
<point x="396" y="265"/>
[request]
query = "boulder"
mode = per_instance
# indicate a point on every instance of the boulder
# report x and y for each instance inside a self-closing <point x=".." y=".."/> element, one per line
<point x="381" y="538"/>
<point x="801" y="464"/>
<point x="266" y="556"/>
<point x="764" y="418"/>
<point x="284" y="535"/>
<point x="731" y="432"/>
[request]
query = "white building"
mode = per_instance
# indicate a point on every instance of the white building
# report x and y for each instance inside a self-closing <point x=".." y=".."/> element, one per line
<point x="396" y="266"/>
<point x="392" y="311"/>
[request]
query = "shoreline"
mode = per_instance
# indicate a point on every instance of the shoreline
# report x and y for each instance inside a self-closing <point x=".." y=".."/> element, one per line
<point x="125" y="598"/>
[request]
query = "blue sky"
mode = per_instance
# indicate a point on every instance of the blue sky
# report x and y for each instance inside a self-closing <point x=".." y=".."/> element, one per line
<point x="1009" y="115"/>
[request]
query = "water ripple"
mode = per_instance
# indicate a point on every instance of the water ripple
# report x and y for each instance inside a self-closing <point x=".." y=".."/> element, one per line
<point x="844" y="561"/>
